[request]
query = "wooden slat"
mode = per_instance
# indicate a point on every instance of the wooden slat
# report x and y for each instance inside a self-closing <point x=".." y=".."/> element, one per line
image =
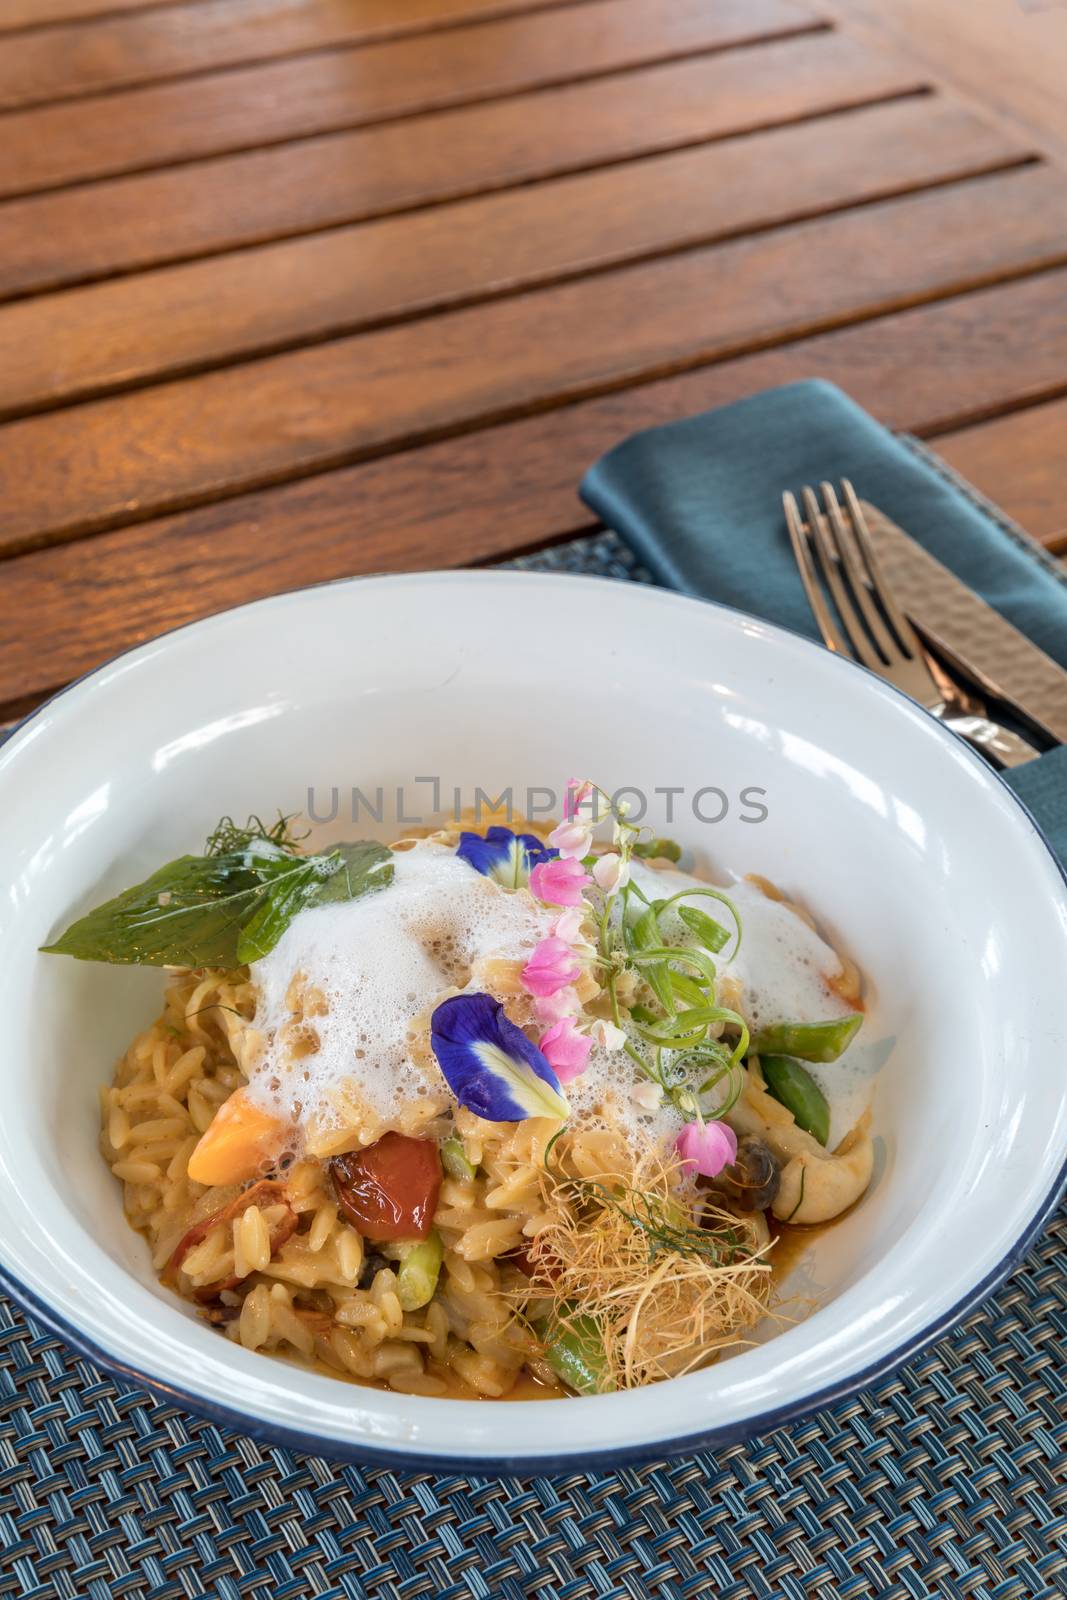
<point x="1010" y="55"/>
<point x="130" y="223"/>
<point x="1020" y="461"/>
<point x="113" y="460"/>
<point x="176" y="41"/>
<point x="487" y="494"/>
<point x="16" y="14"/>
<point x="252" y="107"/>
<point x="116" y="334"/>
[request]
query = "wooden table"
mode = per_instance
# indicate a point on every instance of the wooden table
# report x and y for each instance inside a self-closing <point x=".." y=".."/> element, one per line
<point x="301" y="288"/>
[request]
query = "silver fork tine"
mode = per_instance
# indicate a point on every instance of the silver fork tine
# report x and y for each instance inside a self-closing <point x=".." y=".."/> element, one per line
<point x="861" y="647"/>
<point x="909" y="639"/>
<point x="842" y="548"/>
<point x="802" y="555"/>
<point x="846" y="549"/>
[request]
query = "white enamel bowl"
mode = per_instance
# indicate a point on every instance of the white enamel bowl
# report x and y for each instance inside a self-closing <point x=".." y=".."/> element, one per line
<point x="916" y="857"/>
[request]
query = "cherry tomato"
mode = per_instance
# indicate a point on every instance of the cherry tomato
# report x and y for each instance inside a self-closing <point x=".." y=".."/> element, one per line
<point x="389" y="1190"/>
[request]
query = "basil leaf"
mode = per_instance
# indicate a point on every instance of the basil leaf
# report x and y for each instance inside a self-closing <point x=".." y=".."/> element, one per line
<point x="712" y="935"/>
<point x="279" y="902"/>
<point x="220" y="910"/>
<point x="350" y="870"/>
<point x="188" y="914"/>
<point x="362" y="867"/>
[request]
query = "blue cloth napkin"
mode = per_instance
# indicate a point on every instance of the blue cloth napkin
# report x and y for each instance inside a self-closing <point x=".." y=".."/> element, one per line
<point x="699" y="502"/>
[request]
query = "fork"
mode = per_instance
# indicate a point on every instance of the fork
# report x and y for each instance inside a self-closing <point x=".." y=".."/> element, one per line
<point x="875" y="631"/>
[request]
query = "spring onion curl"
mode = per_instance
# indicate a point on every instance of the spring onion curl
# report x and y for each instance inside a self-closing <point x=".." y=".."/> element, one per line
<point x="681" y="978"/>
<point x="800" y="1196"/>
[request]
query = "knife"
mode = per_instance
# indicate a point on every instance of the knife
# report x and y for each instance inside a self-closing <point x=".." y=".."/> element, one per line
<point x="974" y="638"/>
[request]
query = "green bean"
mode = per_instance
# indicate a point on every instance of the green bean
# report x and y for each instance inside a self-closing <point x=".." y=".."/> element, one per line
<point x="810" y="1041"/>
<point x="797" y="1090"/>
<point x="417" y="1274"/>
<point x="574" y="1352"/>
<point x="454" y="1159"/>
<point x="659" y="847"/>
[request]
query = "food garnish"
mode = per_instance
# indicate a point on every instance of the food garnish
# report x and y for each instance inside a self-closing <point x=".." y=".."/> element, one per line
<point x="226" y="907"/>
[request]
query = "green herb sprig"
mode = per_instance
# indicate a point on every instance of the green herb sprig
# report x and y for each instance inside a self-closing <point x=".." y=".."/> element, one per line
<point x="229" y="836"/>
<point x="228" y="906"/>
<point x="667" y="1231"/>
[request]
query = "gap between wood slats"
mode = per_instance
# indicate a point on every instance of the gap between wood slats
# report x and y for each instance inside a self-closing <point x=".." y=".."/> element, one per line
<point x="84" y="60"/>
<point x="46" y="150"/>
<point x="494" y="493"/>
<point x="179" y="444"/>
<point x="128" y="224"/>
<point x="114" y="337"/>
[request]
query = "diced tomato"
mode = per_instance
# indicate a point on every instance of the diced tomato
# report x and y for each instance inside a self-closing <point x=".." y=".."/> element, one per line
<point x="389" y="1190"/>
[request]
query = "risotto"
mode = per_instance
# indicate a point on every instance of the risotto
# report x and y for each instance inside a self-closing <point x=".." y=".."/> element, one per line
<point x="491" y="1112"/>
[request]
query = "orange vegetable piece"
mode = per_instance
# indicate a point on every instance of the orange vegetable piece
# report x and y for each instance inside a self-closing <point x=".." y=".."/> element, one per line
<point x="240" y="1138"/>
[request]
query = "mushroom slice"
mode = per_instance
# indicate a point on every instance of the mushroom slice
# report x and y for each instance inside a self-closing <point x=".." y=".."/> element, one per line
<point x="817" y="1188"/>
<point x="816" y="1184"/>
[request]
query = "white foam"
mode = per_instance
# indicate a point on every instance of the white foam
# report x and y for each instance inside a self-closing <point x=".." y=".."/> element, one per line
<point x="784" y="967"/>
<point x="385" y="958"/>
<point x="604" y="1096"/>
<point x="379" y="961"/>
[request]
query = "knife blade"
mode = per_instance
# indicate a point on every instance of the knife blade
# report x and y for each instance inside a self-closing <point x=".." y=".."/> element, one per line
<point x="975" y="638"/>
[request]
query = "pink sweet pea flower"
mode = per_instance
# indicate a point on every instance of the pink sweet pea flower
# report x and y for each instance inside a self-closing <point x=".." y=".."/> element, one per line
<point x="607" y="1035"/>
<point x="578" y="792"/>
<point x="554" y="1007"/>
<point x="565" y="1049"/>
<point x="550" y="968"/>
<point x="707" y="1146"/>
<point x="572" y="839"/>
<point x="559" y="882"/>
<point x="649" y="1096"/>
<point x="611" y="872"/>
<point x="568" y="925"/>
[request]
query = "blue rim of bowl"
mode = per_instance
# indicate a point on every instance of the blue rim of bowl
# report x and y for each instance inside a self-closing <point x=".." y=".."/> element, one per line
<point x="573" y="1461"/>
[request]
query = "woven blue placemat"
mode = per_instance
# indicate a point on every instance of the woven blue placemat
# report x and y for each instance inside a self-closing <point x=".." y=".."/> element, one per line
<point x="947" y="1480"/>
